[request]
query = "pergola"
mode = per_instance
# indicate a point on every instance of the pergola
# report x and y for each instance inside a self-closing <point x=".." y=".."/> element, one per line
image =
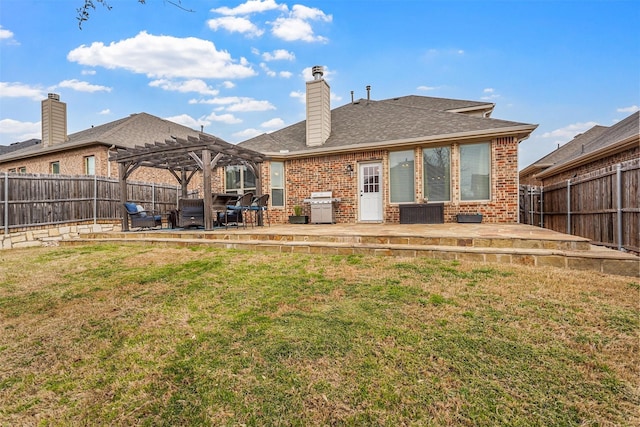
<point x="183" y="158"/>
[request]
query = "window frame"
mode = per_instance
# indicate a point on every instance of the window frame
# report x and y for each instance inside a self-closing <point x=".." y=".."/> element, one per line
<point x="53" y="166"/>
<point x="462" y="175"/>
<point x="281" y="188"/>
<point x="425" y="177"/>
<point x="410" y="163"/>
<point x="86" y="165"/>
<point x="241" y="189"/>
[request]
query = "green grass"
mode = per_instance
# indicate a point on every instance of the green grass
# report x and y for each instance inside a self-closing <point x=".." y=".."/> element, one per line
<point x="128" y="335"/>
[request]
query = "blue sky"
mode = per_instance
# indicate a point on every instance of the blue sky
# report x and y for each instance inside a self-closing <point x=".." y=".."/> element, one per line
<point x="238" y="68"/>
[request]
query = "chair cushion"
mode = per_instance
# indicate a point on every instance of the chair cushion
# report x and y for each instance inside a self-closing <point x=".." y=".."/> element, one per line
<point x="131" y="207"/>
<point x="140" y="209"/>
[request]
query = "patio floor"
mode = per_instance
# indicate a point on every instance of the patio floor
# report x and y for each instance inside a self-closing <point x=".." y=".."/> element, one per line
<point x="503" y="243"/>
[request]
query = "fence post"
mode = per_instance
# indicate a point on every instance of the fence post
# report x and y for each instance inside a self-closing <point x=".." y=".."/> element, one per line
<point x="619" y="201"/>
<point x="6" y="203"/>
<point x="153" y="197"/>
<point x="95" y="199"/>
<point x="542" y="207"/>
<point x="569" y="206"/>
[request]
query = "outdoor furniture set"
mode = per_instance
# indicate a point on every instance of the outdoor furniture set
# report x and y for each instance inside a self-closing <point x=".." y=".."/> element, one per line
<point x="227" y="208"/>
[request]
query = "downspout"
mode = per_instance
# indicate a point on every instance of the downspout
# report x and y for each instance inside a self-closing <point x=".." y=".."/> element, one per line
<point x="108" y="162"/>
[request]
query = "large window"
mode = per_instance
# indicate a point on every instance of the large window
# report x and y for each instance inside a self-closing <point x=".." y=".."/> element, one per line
<point x="437" y="173"/>
<point x="475" y="164"/>
<point x="90" y="165"/>
<point x="239" y="179"/>
<point x="401" y="176"/>
<point x="277" y="184"/>
<point x="54" y="168"/>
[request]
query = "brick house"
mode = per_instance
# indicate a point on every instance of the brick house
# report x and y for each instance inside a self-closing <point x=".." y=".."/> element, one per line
<point x="597" y="148"/>
<point x="376" y="156"/>
<point x="87" y="152"/>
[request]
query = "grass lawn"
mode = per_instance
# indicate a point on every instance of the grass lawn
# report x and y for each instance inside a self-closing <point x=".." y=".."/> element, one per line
<point x="133" y="335"/>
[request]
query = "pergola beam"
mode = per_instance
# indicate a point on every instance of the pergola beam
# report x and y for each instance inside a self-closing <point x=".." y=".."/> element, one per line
<point x="179" y="154"/>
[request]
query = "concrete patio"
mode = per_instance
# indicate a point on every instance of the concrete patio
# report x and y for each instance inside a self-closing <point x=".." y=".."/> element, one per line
<point x="488" y="243"/>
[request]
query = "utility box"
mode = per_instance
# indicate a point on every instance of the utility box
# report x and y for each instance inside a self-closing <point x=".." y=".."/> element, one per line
<point x="422" y="213"/>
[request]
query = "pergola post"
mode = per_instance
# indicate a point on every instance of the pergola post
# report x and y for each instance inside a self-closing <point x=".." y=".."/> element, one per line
<point x="122" y="173"/>
<point x="206" y="184"/>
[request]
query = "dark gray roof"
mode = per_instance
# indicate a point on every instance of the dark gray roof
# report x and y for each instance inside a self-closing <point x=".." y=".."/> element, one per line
<point x="137" y="129"/>
<point x="19" y="145"/>
<point x="596" y="138"/>
<point x="396" y="119"/>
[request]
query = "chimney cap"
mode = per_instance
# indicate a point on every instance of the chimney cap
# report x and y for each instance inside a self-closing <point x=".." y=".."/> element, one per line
<point x="54" y="96"/>
<point x="317" y="71"/>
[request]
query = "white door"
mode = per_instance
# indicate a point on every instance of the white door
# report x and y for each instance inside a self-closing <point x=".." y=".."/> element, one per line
<point x="370" y="182"/>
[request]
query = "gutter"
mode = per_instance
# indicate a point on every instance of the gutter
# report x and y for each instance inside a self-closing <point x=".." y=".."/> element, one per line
<point x="609" y="150"/>
<point x="521" y="132"/>
<point x="19" y="155"/>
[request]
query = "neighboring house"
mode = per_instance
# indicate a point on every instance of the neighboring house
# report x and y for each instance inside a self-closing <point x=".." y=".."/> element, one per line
<point x="378" y="155"/>
<point x="87" y="152"/>
<point x="597" y="148"/>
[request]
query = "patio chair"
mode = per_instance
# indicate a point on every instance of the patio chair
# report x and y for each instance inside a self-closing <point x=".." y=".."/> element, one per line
<point x="190" y="213"/>
<point x="141" y="218"/>
<point x="260" y="204"/>
<point x="241" y="207"/>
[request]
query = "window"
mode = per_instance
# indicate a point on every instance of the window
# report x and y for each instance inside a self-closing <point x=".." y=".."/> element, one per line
<point x="22" y="169"/>
<point x="239" y="179"/>
<point x="475" y="164"/>
<point x="54" y="167"/>
<point x="90" y="165"/>
<point x="437" y="173"/>
<point x="401" y="176"/>
<point x="277" y="184"/>
<point x="12" y="170"/>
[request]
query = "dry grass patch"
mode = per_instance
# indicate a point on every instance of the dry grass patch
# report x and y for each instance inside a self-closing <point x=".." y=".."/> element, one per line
<point x="130" y="335"/>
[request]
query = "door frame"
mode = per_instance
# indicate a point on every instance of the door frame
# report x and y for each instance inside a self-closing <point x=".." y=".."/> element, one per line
<point x="360" y="190"/>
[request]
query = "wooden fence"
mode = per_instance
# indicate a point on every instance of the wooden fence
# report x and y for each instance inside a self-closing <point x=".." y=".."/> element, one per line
<point x="34" y="200"/>
<point x="602" y="206"/>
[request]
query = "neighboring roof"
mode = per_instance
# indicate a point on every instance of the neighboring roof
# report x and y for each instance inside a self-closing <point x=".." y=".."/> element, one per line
<point x="137" y="129"/>
<point x="19" y="145"/>
<point x="393" y="121"/>
<point x="595" y="140"/>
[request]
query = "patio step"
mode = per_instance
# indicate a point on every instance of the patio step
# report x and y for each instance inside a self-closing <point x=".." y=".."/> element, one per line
<point x="555" y="250"/>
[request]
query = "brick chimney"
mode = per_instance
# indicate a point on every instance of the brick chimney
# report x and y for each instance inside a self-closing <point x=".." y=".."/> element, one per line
<point x="318" y="109"/>
<point x="54" y="120"/>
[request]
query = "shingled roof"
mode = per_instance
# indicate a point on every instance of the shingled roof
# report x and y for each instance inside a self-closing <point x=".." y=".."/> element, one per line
<point x="595" y="139"/>
<point x="137" y="129"/>
<point x="390" y="122"/>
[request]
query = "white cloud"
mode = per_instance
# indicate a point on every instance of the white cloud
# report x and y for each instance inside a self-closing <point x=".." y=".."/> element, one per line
<point x="229" y="119"/>
<point x="631" y="109"/>
<point x="427" y="88"/>
<point x="490" y="94"/>
<point x="19" y="90"/>
<point x="163" y="57"/>
<point x="236" y="103"/>
<point x="88" y="72"/>
<point x="488" y="90"/>
<point x="272" y="124"/>
<point x="248" y="104"/>
<point x="247" y="133"/>
<point x="81" y="86"/>
<point x="187" y="120"/>
<point x="235" y="25"/>
<point x="251" y="6"/>
<point x="300" y="96"/>
<point x="228" y="85"/>
<point x="7" y="36"/>
<point x="285" y="74"/>
<point x="278" y="55"/>
<point x="267" y="71"/>
<point x="296" y="25"/>
<point x="105" y="112"/>
<point x="193" y="85"/>
<point x="566" y="134"/>
<point x="20" y="131"/>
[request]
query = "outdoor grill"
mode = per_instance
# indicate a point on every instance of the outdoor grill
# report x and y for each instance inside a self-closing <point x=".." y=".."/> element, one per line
<point x="322" y="207"/>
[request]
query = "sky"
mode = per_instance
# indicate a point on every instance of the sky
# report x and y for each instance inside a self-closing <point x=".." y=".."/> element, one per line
<point x="238" y="68"/>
